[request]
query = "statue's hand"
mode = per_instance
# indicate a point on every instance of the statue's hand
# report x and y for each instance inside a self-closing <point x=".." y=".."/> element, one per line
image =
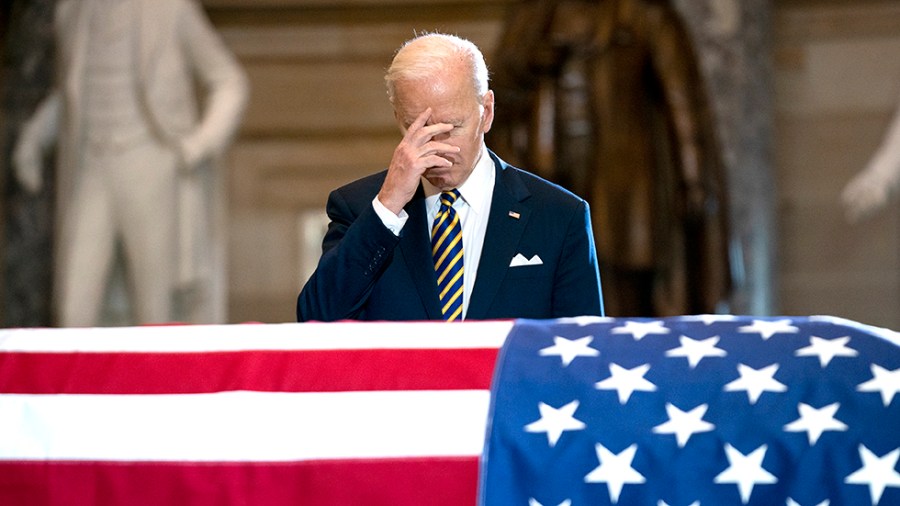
<point x="189" y="155"/>
<point x="864" y="194"/>
<point x="27" y="167"/>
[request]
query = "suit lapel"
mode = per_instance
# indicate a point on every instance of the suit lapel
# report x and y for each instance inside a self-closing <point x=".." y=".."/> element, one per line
<point x="415" y="244"/>
<point x="507" y="220"/>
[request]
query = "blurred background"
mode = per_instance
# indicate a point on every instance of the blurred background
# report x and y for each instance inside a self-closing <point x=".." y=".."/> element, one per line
<point x="801" y="93"/>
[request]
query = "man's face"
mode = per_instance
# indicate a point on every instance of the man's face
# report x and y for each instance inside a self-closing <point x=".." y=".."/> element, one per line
<point x="452" y="99"/>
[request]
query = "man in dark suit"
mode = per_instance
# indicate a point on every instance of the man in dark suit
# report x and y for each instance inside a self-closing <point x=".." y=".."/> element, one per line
<point x="527" y="250"/>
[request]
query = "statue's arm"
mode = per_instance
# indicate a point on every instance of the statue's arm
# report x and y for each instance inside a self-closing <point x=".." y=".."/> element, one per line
<point x="223" y="83"/>
<point x="37" y="136"/>
<point x="869" y="190"/>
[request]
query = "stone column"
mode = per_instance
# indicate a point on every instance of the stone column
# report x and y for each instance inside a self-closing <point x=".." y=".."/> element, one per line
<point x="734" y="41"/>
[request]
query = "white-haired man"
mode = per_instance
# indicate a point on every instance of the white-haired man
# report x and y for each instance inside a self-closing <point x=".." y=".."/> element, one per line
<point x="524" y="247"/>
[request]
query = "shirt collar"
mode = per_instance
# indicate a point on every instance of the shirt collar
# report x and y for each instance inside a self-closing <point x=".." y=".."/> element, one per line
<point x="476" y="188"/>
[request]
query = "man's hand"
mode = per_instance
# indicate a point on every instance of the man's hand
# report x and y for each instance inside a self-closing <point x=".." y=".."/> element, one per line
<point x="417" y="152"/>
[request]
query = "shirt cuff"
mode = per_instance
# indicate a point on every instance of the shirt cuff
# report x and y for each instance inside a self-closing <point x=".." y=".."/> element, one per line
<point x="393" y="222"/>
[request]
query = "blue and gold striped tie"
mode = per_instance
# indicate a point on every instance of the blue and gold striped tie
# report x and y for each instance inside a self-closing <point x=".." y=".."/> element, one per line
<point x="447" y="249"/>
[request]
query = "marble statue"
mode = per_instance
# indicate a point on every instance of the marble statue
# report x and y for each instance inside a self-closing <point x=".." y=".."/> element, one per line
<point x="871" y="188"/>
<point x="146" y="99"/>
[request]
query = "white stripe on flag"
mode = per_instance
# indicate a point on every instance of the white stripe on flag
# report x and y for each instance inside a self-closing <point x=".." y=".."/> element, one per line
<point x="285" y="336"/>
<point x="243" y="426"/>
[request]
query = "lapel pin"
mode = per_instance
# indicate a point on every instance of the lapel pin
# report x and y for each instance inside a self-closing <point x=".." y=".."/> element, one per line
<point x="513" y="214"/>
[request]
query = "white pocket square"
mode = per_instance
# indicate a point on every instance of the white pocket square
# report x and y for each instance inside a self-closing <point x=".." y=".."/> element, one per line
<point x="519" y="260"/>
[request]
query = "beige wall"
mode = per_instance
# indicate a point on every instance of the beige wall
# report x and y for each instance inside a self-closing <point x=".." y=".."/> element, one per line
<point x="837" y="74"/>
<point x="318" y="117"/>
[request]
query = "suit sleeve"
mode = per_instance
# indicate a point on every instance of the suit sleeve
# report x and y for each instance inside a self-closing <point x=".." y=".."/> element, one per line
<point x="355" y="252"/>
<point x="576" y="288"/>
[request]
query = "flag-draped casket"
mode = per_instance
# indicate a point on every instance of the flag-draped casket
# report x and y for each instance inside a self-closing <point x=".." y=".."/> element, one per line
<point x="679" y="411"/>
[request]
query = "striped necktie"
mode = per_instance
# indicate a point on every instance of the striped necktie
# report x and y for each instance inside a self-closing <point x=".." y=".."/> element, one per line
<point x="447" y="249"/>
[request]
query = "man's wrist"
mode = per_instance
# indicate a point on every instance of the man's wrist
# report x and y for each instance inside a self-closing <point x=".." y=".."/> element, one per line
<point x="393" y="222"/>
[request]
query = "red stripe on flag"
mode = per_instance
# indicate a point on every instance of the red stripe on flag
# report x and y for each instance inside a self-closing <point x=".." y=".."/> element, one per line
<point x="267" y="371"/>
<point x="388" y="482"/>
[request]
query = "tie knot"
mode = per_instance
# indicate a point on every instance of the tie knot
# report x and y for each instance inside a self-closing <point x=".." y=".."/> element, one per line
<point x="449" y="197"/>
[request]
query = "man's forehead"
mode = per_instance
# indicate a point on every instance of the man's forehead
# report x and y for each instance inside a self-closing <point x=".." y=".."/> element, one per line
<point x="442" y="111"/>
<point x="409" y="116"/>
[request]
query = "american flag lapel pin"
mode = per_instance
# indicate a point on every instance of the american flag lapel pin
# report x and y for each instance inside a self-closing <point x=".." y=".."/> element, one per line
<point x="515" y="215"/>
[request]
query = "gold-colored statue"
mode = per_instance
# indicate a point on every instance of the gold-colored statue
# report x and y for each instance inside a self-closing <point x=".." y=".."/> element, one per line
<point x="605" y="97"/>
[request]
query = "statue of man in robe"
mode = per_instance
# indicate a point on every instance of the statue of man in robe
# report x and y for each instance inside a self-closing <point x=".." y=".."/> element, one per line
<point x="606" y="98"/>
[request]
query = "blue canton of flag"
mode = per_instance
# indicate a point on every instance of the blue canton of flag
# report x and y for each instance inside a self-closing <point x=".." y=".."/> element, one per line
<point x="694" y="410"/>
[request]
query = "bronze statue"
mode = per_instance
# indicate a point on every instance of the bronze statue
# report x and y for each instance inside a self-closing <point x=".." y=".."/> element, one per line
<point x="605" y="98"/>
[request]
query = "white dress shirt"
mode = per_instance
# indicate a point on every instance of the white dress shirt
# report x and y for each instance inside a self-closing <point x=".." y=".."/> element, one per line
<point x="473" y="208"/>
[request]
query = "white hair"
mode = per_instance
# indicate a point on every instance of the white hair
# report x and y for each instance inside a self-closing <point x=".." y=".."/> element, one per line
<point x="431" y="53"/>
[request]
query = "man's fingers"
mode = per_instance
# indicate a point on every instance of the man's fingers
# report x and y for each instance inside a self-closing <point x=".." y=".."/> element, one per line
<point x="435" y="161"/>
<point x="419" y="149"/>
<point x="425" y="134"/>
<point x="419" y="122"/>
<point x="419" y="132"/>
<point x="436" y="148"/>
<point x="436" y="129"/>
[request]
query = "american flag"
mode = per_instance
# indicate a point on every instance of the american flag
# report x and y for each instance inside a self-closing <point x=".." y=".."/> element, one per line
<point x="701" y="410"/>
<point x="290" y="414"/>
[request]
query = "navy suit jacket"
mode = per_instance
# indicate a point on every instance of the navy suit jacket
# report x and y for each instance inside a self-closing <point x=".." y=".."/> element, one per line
<point x="368" y="273"/>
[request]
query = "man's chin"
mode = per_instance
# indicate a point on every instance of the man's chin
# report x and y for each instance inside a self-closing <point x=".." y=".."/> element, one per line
<point x="440" y="178"/>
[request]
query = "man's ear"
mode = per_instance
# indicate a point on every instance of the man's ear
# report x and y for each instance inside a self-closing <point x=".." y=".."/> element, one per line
<point x="488" y="116"/>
